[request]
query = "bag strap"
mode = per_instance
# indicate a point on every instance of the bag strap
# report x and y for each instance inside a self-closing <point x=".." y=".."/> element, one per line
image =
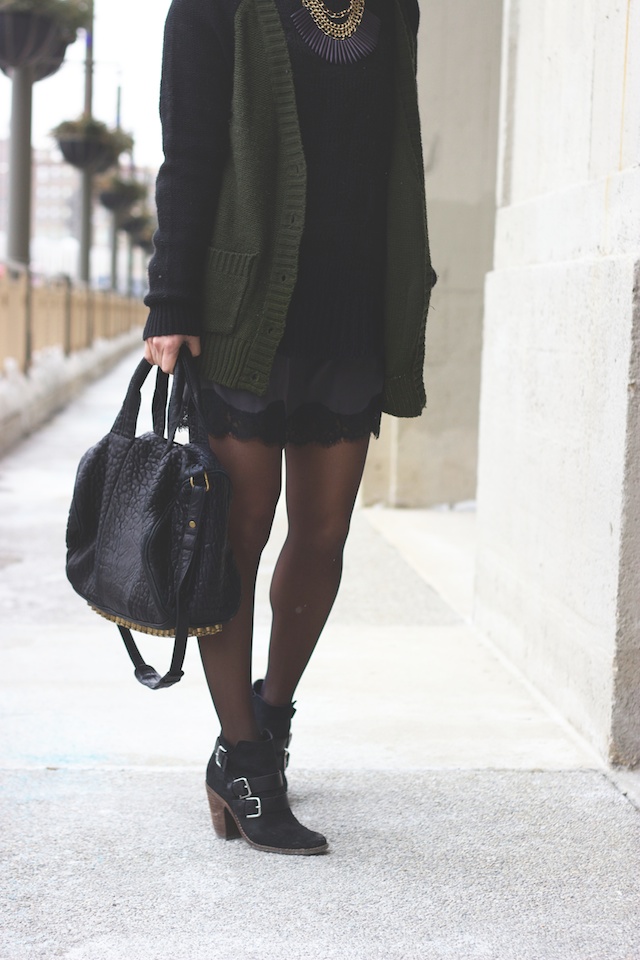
<point x="159" y="403"/>
<point x="125" y="422"/>
<point x="186" y="396"/>
<point x="145" y="673"/>
<point x="186" y="388"/>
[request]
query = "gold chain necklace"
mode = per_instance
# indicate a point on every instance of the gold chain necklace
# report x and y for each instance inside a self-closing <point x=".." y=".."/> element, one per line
<point x="343" y="37"/>
<point x="339" y="25"/>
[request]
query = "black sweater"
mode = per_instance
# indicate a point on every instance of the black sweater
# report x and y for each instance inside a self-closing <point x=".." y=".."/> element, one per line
<point x="345" y="115"/>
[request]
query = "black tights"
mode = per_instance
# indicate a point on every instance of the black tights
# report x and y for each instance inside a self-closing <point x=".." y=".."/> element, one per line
<point x="322" y="483"/>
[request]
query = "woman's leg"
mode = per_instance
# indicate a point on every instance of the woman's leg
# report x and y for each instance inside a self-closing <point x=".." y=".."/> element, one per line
<point x="322" y="484"/>
<point x="246" y="792"/>
<point x="255" y="472"/>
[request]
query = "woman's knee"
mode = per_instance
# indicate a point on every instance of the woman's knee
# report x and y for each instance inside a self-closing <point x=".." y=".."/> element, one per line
<point x="255" y="474"/>
<point x="251" y="522"/>
<point x="321" y="536"/>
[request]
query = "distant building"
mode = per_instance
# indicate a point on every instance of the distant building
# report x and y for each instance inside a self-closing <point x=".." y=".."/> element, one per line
<point x="55" y="207"/>
<point x="55" y="220"/>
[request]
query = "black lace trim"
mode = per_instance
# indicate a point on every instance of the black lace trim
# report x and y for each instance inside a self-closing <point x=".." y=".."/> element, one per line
<point x="315" y="423"/>
<point x="310" y="423"/>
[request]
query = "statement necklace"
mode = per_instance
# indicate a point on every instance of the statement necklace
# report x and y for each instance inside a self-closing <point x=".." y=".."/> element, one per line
<point x="342" y="37"/>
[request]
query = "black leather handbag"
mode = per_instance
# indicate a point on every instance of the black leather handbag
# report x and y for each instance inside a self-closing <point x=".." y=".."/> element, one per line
<point x="147" y="533"/>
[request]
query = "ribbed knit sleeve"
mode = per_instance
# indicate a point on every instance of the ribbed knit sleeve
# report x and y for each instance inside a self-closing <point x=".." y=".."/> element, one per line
<point x="195" y="105"/>
<point x="413" y="14"/>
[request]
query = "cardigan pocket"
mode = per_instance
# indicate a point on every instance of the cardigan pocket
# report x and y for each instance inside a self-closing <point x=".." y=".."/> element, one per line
<point x="226" y="280"/>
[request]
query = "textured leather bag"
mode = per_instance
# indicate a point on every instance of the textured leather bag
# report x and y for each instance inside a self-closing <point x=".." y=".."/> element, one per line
<point x="147" y="532"/>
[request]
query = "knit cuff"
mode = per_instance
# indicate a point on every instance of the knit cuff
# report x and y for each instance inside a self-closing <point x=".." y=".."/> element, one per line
<point x="172" y="317"/>
<point x="403" y="396"/>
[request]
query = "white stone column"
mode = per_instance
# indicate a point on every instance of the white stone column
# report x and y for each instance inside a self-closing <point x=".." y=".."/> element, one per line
<point x="558" y="573"/>
<point x="433" y="459"/>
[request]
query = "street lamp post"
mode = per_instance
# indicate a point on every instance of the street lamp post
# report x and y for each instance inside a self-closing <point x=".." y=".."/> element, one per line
<point x="19" y="233"/>
<point x="115" y="216"/>
<point x="87" y="173"/>
<point x="32" y="47"/>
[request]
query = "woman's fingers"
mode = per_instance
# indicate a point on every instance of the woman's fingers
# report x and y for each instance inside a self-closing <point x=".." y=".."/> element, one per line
<point x="194" y="345"/>
<point x="163" y="351"/>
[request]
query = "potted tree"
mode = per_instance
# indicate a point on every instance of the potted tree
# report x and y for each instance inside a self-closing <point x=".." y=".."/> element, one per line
<point x="36" y="33"/>
<point x="89" y="144"/>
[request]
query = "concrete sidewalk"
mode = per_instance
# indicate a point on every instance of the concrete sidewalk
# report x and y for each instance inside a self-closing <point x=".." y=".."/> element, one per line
<point x="466" y="820"/>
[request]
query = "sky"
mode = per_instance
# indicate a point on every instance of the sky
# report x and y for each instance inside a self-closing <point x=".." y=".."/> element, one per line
<point x="128" y="52"/>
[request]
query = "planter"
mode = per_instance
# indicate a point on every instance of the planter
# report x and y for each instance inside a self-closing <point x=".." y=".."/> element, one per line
<point x="122" y="194"/>
<point x="52" y="62"/>
<point x="140" y="229"/>
<point x="145" y="244"/>
<point x="88" y="144"/>
<point x="27" y="39"/>
<point x="135" y="225"/>
<point x="69" y="16"/>
<point x="86" y="153"/>
<point x="144" y="239"/>
<point x="46" y="67"/>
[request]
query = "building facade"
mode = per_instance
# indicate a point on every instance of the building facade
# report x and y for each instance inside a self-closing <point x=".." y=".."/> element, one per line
<point x="531" y="120"/>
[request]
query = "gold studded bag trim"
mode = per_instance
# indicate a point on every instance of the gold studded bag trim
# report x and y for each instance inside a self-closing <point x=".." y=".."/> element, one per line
<point x="339" y="37"/>
<point x="141" y="628"/>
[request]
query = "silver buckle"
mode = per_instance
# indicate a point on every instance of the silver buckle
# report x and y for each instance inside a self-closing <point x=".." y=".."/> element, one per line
<point x="286" y="758"/>
<point x="220" y="753"/>
<point x="258" y="801"/>
<point x="245" y="786"/>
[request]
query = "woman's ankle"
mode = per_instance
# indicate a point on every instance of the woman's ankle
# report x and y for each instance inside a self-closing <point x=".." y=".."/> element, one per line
<point x="234" y="733"/>
<point x="272" y="695"/>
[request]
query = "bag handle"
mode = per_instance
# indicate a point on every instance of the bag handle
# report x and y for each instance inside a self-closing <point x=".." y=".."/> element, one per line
<point x="187" y="395"/>
<point x="125" y="422"/>
<point x="186" y="390"/>
<point x="159" y="402"/>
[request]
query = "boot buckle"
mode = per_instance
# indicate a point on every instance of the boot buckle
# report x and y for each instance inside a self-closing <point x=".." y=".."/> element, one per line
<point x="241" y="783"/>
<point x="221" y="756"/>
<point x="286" y="758"/>
<point x="258" y="803"/>
<point x="242" y="790"/>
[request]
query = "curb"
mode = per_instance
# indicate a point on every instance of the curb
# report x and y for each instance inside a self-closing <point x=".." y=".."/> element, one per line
<point x="29" y="400"/>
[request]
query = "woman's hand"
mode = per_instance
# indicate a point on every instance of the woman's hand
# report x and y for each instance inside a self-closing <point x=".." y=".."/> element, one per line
<point x="163" y="351"/>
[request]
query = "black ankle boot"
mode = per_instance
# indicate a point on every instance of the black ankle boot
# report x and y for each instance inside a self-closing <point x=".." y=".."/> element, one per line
<point x="248" y="798"/>
<point x="277" y="722"/>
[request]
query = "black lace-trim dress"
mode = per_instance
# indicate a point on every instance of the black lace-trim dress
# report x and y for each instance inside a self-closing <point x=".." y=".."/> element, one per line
<point x="327" y="378"/>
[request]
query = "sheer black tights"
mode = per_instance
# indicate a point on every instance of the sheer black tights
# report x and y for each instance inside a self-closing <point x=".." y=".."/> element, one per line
<point x="322" y="483"/>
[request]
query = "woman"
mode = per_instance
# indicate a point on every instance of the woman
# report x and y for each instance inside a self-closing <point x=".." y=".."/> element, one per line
<point x="292" y="257"/>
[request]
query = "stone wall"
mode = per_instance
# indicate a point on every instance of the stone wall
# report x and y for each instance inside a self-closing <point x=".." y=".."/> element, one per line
<point x="433" y="459"/>
<point x="558" y="572"/>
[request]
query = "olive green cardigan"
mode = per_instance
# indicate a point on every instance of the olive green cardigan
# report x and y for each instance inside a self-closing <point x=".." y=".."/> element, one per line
<point x="251" y="263"/>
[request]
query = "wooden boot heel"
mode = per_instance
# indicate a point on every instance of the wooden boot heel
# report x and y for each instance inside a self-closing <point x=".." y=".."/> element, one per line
<point x="223" y="822"/>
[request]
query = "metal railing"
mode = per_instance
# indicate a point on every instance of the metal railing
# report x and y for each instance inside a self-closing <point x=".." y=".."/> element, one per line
<point x="37" y="313"/>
